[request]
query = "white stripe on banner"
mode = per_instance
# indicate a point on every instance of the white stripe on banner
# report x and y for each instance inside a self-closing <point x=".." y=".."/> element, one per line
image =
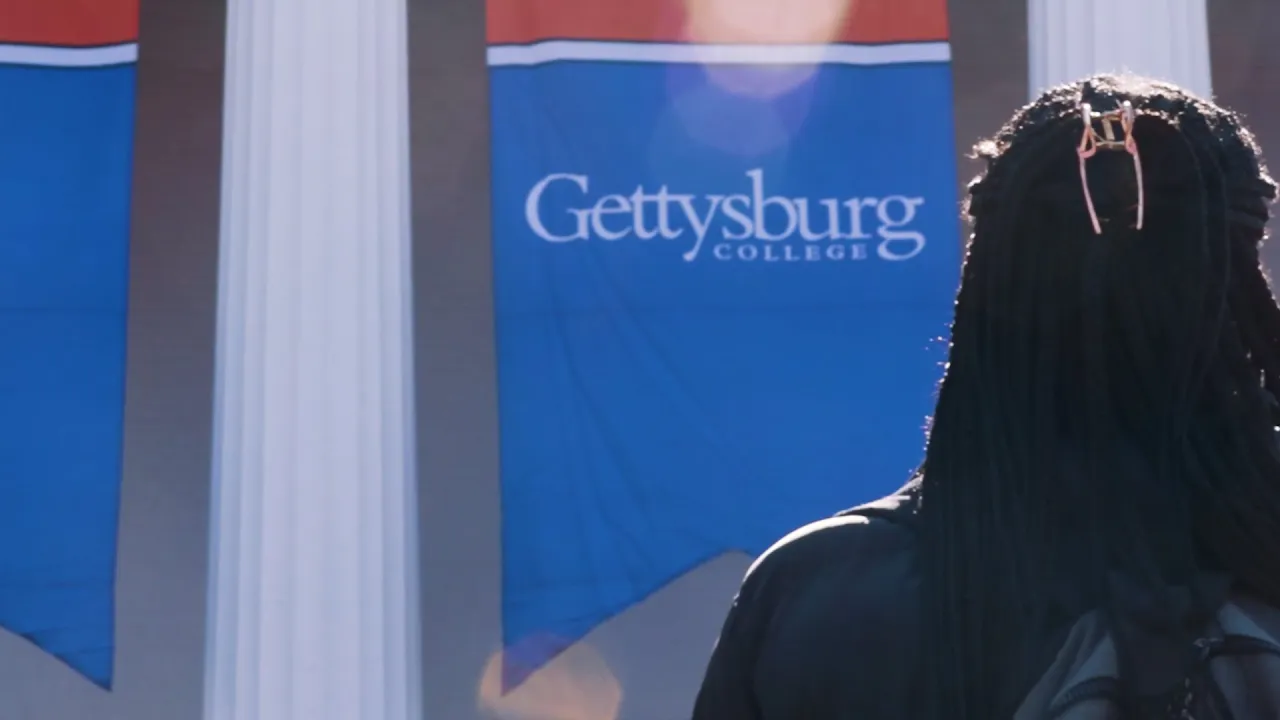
<point x="708" y="54"/>
<point x="53" y="56"/>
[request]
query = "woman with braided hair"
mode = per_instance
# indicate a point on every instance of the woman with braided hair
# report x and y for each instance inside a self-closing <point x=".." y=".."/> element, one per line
<point x="1094" y="533"/>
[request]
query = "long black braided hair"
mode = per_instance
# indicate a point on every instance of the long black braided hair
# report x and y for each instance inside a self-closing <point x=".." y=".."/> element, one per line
<point x="1109" y="404"/>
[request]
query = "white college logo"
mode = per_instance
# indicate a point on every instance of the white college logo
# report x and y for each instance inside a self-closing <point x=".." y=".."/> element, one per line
<point x="741" y="227"/>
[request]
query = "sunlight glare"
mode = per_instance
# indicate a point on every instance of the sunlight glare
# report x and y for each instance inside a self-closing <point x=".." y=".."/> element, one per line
<point x="806" y="26"/>
<point x="577" y="685"/>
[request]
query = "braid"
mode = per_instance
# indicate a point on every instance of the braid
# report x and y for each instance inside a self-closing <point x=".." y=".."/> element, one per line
<point x="1259" y="319"/>
<point x="1109" y="400"/>
<point x="994" y="202"/>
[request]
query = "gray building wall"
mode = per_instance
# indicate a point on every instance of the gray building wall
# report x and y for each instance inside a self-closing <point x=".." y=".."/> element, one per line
<point x="652" y="655"/>
<point x="1246" y="62"/>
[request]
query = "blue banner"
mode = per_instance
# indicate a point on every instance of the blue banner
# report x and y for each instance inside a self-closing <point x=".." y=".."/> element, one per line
<point x="67" y="77"/>
<point x="721" y="290"/>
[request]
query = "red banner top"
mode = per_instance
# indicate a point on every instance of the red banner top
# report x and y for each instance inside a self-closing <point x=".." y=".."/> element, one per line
<point x="69" y="23"/>
<point x="718" y="21"/>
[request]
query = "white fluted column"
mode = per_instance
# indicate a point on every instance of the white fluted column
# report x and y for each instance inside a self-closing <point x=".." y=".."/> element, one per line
<point x="1164" y="39"/>
<point x="313" y="606"/>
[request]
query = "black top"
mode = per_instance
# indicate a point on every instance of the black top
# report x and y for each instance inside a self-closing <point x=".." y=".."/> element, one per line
<point x="826" y="626"/>
<point x="823" y="625"/>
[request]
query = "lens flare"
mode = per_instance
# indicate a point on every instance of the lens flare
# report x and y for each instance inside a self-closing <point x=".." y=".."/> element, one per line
<point x="807" y="26"/>
<point x="577" y="685"/>
<point x="765" y="22"/>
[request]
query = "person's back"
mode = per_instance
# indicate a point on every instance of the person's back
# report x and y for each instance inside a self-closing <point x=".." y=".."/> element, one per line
<point x="1095" y="530"/>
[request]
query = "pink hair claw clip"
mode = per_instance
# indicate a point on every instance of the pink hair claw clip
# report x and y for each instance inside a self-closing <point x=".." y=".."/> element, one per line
<point x="1091" y="142"/>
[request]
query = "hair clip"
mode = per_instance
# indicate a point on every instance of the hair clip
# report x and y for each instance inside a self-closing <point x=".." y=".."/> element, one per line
<point x="1091" y="142"/>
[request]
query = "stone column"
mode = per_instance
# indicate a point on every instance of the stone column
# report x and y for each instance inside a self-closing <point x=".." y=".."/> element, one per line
<point x="313" y="599"/>
<point x="1164" y="39"/>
